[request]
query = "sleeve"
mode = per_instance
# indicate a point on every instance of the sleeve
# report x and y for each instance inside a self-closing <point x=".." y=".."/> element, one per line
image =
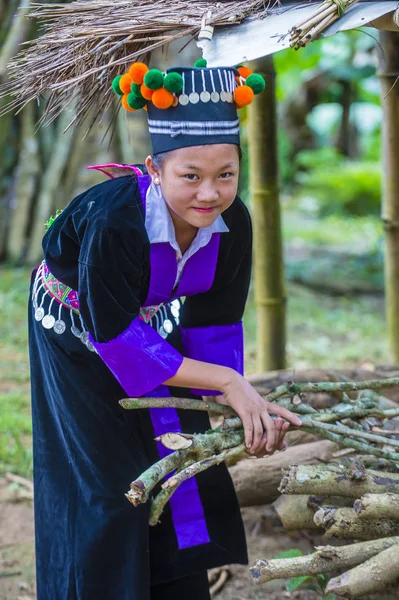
<point x="112" y="263"/>
<point x="211" y="323"/>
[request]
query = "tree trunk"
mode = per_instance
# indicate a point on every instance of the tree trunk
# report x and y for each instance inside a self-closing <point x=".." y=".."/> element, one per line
<point x="24" y="187"/>
<point x="377" y="506"/>
<point x="389" y="73"/>
<point x="268" y="252"/>
<point x="372" y="576"/>
<point x="335" y="480"/>
<point x="344" y="524"/>
<point x="256" y="481"/>
<point x="297" y="512"/>
<point x="46" y="200"/>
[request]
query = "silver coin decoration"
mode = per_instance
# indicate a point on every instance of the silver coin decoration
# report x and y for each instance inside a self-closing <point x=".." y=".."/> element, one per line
<point x="162" y="333"/>
<point x="168" y="326"/>
<point x="75" y="331"/>
<point x="229" y="96"/>
<point x="48" y="321"/>
<point x="194" y="98"/>
<point x="174" y="310"/>
<point x="59" y="326"/>
<point x="90" y="346"/>
<point x="183" y="99"/>
<point x="84" y="337"/>
<point x="177" y="320"/>
<point x="205" y="97"/>
<point x="176" y="303"/>
<point x="39" y="313"/>
<point x="215" y="97"/>
<point x="223" y="96"/>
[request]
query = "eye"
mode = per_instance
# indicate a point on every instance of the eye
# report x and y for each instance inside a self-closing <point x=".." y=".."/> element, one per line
<point x="191" y="177"/>
<point x="226" y="175"/>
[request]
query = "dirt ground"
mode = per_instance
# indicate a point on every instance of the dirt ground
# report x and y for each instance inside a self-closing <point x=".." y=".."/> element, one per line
<point x="266" y="538"/>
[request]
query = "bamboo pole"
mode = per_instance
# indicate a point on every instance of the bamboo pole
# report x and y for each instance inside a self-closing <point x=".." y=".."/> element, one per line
<point x="268" y="252"/>
<point x="389" y="73"/>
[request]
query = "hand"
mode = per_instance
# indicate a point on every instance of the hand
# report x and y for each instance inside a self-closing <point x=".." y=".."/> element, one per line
<point x="262" y="433"/>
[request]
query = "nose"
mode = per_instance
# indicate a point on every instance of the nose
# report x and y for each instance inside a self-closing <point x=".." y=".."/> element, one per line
<point x="207" y="194"/>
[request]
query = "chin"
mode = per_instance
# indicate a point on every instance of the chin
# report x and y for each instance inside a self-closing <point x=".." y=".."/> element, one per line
<point x="203" y="220"/>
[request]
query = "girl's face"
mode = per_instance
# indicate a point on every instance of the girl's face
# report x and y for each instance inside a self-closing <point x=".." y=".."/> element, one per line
<point x="198" y="183"/>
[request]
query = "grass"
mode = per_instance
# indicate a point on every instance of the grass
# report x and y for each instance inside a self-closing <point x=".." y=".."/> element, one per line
<point x="323" y="331"/>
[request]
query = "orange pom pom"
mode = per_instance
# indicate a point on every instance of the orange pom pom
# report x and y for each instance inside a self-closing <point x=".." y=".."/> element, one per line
<point x="162" y="98"/>
<point x="125" y="82"/>
<point x="137" y="71"/>
<point x="244" y="72"/>
<point x="146" y="92"/>
<point x="125" y="104"/>
<point x="243" y="95"/>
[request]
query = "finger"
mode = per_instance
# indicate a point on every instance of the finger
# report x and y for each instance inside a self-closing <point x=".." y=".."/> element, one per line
<point x="258" y="433"/>
<point x="283" y="431"/>
<point x="268" y="424"/>
<point x="274" y="409"/>
<point x="283" y="445"/>
<point x="248" y="428"/>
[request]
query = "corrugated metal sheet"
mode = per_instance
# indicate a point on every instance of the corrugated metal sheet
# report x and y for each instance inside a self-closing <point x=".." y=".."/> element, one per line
<point x="255" y="38"/>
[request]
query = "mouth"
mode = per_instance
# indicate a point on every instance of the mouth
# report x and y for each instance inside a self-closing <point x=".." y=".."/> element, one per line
<point x="205" y="211"/>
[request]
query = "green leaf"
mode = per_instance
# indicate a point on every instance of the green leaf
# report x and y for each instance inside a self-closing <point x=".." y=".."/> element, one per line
<point x="295" y="582"/>
<point x="293" y="553"/>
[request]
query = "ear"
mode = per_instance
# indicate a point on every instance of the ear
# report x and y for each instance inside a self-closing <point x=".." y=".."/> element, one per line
<point x="153" y="172"/>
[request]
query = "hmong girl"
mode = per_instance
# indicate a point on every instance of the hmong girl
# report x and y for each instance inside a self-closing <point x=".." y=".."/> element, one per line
<point x="142" y="292"/>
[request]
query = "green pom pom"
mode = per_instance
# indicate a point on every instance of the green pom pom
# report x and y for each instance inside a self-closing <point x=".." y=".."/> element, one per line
<point x="135" y="102"/>
<point x="174" y="82"/>
<point x="200" y="63"/>
<point x="115" y="85"/>
<point x="135" y="90"/>
<point x="153" y="79"/>
<point x="256" y="83"/>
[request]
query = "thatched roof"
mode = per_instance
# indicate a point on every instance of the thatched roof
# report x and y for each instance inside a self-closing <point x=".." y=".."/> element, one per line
<point x="257" y="37"/>
<point x="86" y="43"/>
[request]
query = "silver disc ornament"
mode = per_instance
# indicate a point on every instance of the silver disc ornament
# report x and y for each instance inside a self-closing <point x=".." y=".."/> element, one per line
<point x="84" y="337"/>
<point x="59" y="326"/>
<point x="194" y="98"/>
<point x="90" y="346"/>
<point x="39" y="313"/>
<point x="168" y="326"/>
<point x="175" y="311"/>
<point x="48" y="321"/>
<point x="76" y="332"/>
<point x="162" y="333"/>
<point x="215" y="97"/>
<point x="223" y="96"/>
<point x="205" y="96"/>
<point x="183" y="99"/>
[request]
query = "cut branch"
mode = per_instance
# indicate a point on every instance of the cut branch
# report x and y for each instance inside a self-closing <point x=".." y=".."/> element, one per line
<point x="325" y="560"/>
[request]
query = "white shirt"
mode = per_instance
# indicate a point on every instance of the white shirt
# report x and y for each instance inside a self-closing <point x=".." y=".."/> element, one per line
<point x="160" y="228"/>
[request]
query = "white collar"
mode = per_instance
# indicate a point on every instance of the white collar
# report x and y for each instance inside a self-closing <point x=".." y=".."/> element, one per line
<point x="160" y="228"/>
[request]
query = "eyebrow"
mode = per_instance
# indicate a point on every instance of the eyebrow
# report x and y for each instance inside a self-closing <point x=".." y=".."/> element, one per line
<point x="197" y="168"/>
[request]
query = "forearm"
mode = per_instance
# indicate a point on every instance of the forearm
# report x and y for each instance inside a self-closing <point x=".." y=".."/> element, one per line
<point x="195" y="374"/>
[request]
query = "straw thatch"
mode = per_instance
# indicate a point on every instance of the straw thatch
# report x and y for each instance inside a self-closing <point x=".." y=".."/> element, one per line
<point x="87" y="43"/>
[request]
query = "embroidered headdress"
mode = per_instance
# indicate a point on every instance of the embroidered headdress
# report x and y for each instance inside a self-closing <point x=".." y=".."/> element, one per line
<point x="189" y="106"/>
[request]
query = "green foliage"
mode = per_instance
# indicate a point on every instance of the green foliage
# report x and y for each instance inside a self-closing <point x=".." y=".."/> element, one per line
<point x="153" y="79"/>
<point x="339" y="185"/>
<point x="115" y="85"/>
<point x="173" y="83"/>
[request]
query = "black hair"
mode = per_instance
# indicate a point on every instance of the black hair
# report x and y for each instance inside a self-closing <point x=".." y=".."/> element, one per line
<point x="159" y="159"/>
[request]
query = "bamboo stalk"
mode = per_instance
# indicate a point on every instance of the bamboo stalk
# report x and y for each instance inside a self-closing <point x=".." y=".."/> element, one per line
<point x="389" y="73"/>
<point x="268" y="255"/>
